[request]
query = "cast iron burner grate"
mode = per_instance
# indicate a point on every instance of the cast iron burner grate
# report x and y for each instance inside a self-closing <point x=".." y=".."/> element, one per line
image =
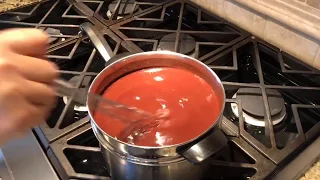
<point x="59" y="19"/>
<point x="253" y="152"/>
<point x="56" y="17"/>
<point x="256" y="65"/>
<point x="112" y="11"/>
<point x="178" y="26"/>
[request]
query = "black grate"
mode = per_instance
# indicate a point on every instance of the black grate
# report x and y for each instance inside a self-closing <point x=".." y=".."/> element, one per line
<point x="179" y="26"/>
<point x="257" y="65"/>
<point x="56" y="17"/>
<point x="112" y="11"/>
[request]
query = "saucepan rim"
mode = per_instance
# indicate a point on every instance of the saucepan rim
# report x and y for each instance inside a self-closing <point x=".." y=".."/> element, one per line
<point x="159" y="53"/>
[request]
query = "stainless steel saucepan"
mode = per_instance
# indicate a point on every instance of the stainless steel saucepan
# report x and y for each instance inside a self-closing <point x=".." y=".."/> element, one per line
<point x="183" y="161"/>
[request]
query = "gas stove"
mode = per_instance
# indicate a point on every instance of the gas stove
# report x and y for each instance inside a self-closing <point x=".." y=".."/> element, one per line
<point x="272" y="111"/>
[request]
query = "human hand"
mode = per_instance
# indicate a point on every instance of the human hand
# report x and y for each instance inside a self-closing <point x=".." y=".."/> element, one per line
<point x="27" y="94"/>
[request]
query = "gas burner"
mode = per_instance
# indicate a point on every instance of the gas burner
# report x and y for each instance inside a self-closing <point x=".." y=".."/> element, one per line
<point x="187" y="44"/>
<point x="253" y="108"/>
<point x="83" y="91"/>
<point x="125" y="8"/>
<point x="54" y="32"/>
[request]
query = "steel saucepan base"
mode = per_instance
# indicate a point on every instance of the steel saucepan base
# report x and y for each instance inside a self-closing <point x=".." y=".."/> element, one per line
<point x="121" y="168"/>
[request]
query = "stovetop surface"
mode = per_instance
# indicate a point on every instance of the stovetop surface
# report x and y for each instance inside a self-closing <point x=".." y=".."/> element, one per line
<point x="265" y="133"/>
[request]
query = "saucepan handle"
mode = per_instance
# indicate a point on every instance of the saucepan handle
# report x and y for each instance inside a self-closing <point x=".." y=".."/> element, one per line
<point x="205" y="147"/>
<point x="97" y="40"/>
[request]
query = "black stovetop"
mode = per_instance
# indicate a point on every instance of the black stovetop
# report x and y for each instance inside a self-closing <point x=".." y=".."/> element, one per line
<point x="285" y="91"/>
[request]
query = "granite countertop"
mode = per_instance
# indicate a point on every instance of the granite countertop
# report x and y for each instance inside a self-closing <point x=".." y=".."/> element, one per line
<point x="313" y="173"/>
<point x="6" y="5"/>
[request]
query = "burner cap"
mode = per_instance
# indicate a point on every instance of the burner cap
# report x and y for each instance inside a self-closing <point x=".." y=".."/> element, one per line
<point x="125" y="8"/>
<point x="252" y="102"/>
<point x="186" y="42"/>
<point x="260" y="122"/>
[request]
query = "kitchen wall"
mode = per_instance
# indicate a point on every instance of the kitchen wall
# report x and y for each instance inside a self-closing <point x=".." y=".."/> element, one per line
<point x="291" y="25"/>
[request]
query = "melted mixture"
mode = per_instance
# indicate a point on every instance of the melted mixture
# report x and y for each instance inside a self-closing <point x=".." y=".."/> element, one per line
<point x="192" y="104"/>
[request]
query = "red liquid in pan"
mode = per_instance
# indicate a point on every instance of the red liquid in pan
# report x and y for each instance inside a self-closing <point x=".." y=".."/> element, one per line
<point x="191" y="101"/>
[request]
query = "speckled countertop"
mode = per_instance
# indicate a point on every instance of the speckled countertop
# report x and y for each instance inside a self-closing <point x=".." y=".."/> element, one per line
<point x="313" y="173"/>
<point x="6" y="5"/>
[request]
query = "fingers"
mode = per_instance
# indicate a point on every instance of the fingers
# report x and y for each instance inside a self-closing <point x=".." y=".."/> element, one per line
<point x="25" y="41"/>
<point x="21" y="117"/>
<point x="35" y="69"/>
<point x="24" y="103"/>
<point x="39" y="93"/>
<point x="24" y="117"/>
<point x="18" y="114"/>
<point x="25" y="49"/>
